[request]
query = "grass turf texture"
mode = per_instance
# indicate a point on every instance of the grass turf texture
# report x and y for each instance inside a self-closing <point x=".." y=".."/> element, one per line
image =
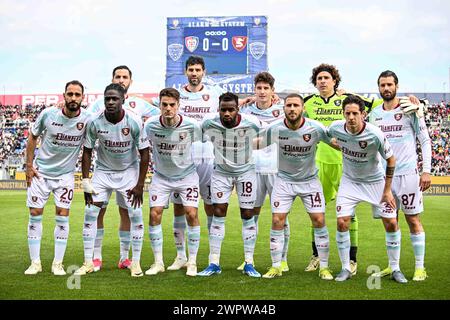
<point x="112" y="283"/>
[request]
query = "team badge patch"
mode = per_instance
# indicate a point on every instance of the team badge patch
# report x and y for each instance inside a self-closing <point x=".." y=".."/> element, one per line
<point x="132" y="104"/>
<point x="154" y="197"/>
<point x="257" y="49"/>
<point x="276" y="113"/>
<point x="125" y="131"/>
<point x="34" y="199"/>
<point x="338" y="208"/>
<point x="183" y="135"/>
<point x="80" y="125"/>
<point x="239" y="43"/>
<point x="219" y="194"/>
<point x="276" y="204"/>
<point x="398" y="116"/>
<point x="205" y="97"/>
<point x="175" y="50"/>
<point x="363" y="144"/>
<point x="337" y="103"/>
<point x="191" y="43"/>
<point x="307" y="137"/>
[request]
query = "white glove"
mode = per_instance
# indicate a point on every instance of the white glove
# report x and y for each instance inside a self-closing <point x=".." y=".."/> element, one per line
<point x="87" y="186"/>
<point x="408" y="107"/>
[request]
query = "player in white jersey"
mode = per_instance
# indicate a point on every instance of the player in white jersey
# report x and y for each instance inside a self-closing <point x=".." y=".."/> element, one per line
<point x="232" y="135"/>
<point x="121" y="141"/>
<point x="402" y="130"/>
<point x="172" y="136"/>
<point x="296" y="139"/>
<point x="363" y="179"/>
<point x="62" y="132"/>
<point x="266" y="159"/>
<point x="121" y="75"/>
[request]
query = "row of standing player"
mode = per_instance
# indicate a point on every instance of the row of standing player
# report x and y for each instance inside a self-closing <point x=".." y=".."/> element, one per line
<point x="324" y="77"/>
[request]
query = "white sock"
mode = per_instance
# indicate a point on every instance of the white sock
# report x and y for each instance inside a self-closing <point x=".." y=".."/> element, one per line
<point x="287" y="236"/>
<point x="322" y="240"/>
<point x="34" y="237"/>
<point x="156" y="240"/>
<point x="61" y="235"/>
<point x="343" y="244"/>
<point x="136" y="233"/>
<point x="193" y="243"/>
<point x="124" y="239"/>
<point x="393" y="245"/>
<point x="276" y="246"/>
<point x="418" y="243"/>
<point x="210" y="218"/>
<point x="98" y="244"/>
<point x="249" y="237"/>
<point x="216" y="236"/>
<point x="179" y="228"/>
<point x="89" y="230"/>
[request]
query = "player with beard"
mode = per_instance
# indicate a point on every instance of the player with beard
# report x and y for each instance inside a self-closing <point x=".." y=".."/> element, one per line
<point x="402" y="130"/>
<point x="62" y="132"/>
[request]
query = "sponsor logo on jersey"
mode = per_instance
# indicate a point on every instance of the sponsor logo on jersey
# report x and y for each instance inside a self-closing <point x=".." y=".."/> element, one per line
<point x="154" y="197"/>
<point x="205" y="97"/>
<point x="183" y="135"/>
<point x="239" y="42"/>
<point x="276" y="113"/>
<point x="363" y="144"/>
<point x="307" y="137"/>
<point x="160" y="135"/>
<point x="257" y="49"/>
<point x="132" y="104"/>
<point x="102" y="131"/>
<point x="398" y="116"/>
<point x="125" y="131"/>
<point x="219" y="194"/>
<point x="80" y="125"/>
<point x="191" y="43"/>
<point x="175" y="51"/>
<point x="337" y="103"/>
<point x="57" y="124"/>
<point x="276" y="204"/>
<point x="34" y="199"/>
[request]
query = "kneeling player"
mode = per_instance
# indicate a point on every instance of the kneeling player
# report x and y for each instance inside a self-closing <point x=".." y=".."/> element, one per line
<point x="172" y="136"/>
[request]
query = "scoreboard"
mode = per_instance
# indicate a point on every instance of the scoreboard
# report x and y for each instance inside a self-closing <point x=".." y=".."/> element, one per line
<point x="234" y="49"/>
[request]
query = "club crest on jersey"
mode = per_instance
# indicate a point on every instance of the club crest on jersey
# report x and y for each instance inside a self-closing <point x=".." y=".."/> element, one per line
<point x="126" y="131"/>
<point x="276" y="113"/>
<point x="183" y="135"/>
<point x="34" y="199"/>
<point x="154" y="197"/>
<point x="257" y="49"/>
<point x="80" y="125"/>
<point x="398" y="116"/>
<point x="241" y="133"/>
<point x="239" y="42"/>
<point x="307" y="137"/>
<point x="175" y="50"/>
<point x="219" y="194"/>
<point x="191" y="43"/>
<point x="337" y="103"/>
<point x="363" y="144"/>
<point x="132" y="104"/>
<point x="276" y="204"/>
<point x="205" y="97"/>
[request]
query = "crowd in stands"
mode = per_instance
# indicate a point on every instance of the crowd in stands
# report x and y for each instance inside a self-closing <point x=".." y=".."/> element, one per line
<point x="15" y="121"/>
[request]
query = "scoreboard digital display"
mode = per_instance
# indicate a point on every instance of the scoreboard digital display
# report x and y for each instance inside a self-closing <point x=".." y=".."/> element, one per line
<point x="234" y="49"/>
<point x="224" y="49"/>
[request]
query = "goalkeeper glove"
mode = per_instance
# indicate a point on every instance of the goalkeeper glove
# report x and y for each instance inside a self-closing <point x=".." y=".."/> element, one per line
<point x="87" y="186"/>
<point x="408" y="107"/>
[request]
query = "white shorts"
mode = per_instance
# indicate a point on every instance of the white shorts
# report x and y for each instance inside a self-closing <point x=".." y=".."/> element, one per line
<point x="407" y="193"/>
<point x="351" y="193"/>
<point x="265" y="184"/>
<point x="185" y="190"/>
<point x="40" y="189"/>
<point x="284" y="193"/>
<point x="204" y="171"/>
<point x="120" y="181"/>
<point x="246" y="186"/>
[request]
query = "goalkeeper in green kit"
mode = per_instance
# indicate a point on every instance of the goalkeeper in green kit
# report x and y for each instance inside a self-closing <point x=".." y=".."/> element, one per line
<point x="326" y="107"/>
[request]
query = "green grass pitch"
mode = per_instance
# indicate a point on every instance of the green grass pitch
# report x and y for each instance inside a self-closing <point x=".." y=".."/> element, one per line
<point x="111" y="283"/>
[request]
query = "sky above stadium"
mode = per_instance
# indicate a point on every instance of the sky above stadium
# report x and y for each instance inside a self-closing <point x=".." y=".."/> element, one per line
<point x="47" y="43"/>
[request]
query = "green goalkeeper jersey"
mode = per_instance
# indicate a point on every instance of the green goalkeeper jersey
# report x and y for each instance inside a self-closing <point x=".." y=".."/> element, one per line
<point x="326" y="111"/>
